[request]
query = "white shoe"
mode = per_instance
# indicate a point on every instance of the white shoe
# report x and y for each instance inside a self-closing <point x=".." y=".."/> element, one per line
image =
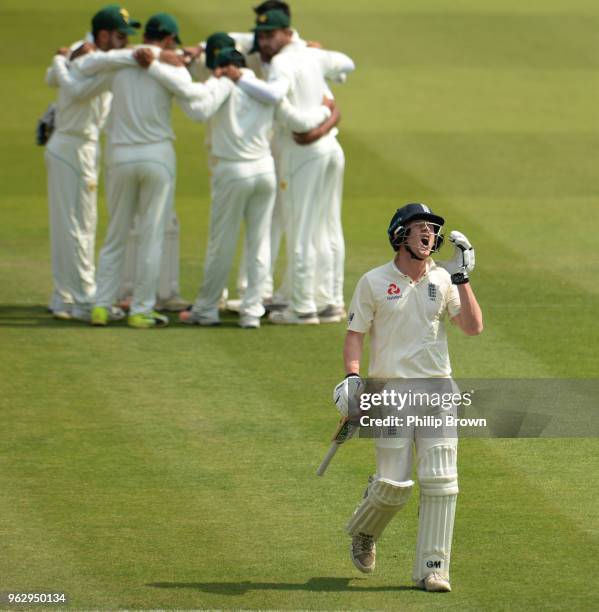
<point x="174" y="304"/>
<point x="233" y="305"/>
<point x="363" y="553"/>
<point x="189" y="317"/>
<point x="290" y="317"/>
<point x="62" y="315"/>
<point x="332" y="314"/>
<point x="435" y="583"/>
<point x="249" y="322"/>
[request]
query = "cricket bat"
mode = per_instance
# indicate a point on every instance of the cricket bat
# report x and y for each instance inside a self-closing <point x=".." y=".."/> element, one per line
<point x="345" y="430"/>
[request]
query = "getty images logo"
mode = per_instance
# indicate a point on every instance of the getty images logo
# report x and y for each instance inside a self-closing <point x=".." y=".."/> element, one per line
<point x="393" y="292"/>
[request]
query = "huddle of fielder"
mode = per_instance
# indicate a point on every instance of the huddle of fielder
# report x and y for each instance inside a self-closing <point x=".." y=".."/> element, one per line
<point x="131" y="91"/>
<point x="276" y="165"/>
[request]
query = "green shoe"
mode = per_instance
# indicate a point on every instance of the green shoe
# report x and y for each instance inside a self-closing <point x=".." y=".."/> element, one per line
<point x="100" y="316"/>
<point x="146" y="321"/>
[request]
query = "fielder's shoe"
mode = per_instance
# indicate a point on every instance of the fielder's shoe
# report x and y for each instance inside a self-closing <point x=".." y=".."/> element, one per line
<point x="363" y="552"/>
<point x="143" y="320"/>
<point x="272" y="304"/>
<point x="290" y="317"/>
<point x="174" y="304"/>
<point x="233" y="305"/>
<point x="100" y="316"/>
<point x="62" y="315"/>
<point x="249" y="322"/>
<point x="190" y="317"/>
<point x="332" y="314"/>
<point x="435" y="583"/>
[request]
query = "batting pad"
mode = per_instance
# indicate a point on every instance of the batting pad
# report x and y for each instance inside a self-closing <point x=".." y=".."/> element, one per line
<point x="438" y="494"/>
<point x="383" y="500"/>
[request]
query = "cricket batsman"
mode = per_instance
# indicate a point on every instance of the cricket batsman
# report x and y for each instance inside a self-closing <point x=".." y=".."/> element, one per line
<point x="402" y="305"/>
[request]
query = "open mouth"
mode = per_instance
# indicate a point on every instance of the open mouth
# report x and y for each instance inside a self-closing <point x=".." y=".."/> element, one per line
<point x="424" y="241"/>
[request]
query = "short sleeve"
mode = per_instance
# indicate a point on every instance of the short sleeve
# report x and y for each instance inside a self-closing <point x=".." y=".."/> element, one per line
<point x="453" y="302"/>
<point x="362" y="307"/>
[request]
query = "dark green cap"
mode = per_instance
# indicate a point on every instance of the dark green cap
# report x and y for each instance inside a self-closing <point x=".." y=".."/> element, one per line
<point x="214" y="44"/>
<point x="114" y="17"/>
<point x="162" y="24"/>
<point x="272" y="20"/>
<point x="229" y="55"/>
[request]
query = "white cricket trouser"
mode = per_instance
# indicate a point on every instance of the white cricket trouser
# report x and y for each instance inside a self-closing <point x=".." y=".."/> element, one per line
<point x="168" y="282"/>
<point x="437" y="477"/>
<point x="240" y="191"/>
<point x="311" y="178"/>
<point x="72" y="165"/>
<point x="140" y="180"/>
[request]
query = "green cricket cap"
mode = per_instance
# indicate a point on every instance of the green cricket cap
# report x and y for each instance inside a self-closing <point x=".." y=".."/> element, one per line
<point x="214" y="44"/>
<point x="272" y="20"/>
<point x="114" y="17"/>
<point x="161" y="24"/>
<point x="229" y="55"/>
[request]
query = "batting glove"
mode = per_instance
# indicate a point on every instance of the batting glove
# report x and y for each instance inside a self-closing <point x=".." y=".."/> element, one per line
<point x="343" y="390"/>
<point x="463" y="259"/>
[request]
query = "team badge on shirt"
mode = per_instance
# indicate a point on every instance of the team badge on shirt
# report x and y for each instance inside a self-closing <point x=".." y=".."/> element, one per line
<point x="432" y="292"/>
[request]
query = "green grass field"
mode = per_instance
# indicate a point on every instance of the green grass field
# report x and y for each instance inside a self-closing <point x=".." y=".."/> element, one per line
<point x="175" y="468"/>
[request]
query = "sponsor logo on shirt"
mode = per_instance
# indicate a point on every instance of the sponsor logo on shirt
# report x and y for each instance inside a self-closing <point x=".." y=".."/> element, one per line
<point x="350" y="318"/>
<point x="393" y="292"/>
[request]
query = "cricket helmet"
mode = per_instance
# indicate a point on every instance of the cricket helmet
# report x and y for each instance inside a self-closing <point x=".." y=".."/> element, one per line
<point x="398" y="231"/>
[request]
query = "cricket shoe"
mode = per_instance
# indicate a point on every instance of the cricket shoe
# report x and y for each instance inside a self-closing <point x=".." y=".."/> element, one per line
<point x="190" y="317"/>
<point x="62" y="315"/>
<point x="174" y="304"/>
<point x="363" y="552"/>
<point x="100" y="315"/>
<point x="332" y="314"/>
<point x="435" y="583"/>
<point x="249" y="322"/>
<point x="233" y="305"/>
<point x="290" y="317"/>
<point x="145" y="320"/>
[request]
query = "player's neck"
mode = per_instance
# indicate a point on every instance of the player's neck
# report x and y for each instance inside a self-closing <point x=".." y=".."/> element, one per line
<point x="408" y="265"/>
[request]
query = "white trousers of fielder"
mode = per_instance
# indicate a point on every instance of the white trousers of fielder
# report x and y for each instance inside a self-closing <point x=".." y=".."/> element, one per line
<point x="241" y="191"/>
<point x="168" y="282"/>
<point x="311" y="181"/>
<point x="140" y="180"/>
<point x="72" y="165"/>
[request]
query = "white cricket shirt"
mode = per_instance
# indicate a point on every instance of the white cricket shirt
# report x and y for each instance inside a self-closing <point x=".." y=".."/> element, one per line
<point x="405" y="320"/>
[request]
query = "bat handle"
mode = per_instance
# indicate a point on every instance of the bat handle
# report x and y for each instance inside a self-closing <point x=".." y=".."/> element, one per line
<point x="322" y="468"/>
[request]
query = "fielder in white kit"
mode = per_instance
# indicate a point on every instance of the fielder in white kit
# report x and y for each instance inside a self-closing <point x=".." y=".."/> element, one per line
<point x="402" y="304"/>
<point x="72" y="158"/>
<point x="140" y="172"/>
<point x="243" y="187"/>
<point x="310" y="175"/>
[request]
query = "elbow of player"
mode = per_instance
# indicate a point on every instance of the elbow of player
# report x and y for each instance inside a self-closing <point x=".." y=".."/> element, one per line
<point x="475" y="328"/>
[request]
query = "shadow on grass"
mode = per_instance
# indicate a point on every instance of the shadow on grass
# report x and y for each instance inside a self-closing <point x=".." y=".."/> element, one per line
<point x="21" y="315"/>
<point x="320" y="584"/>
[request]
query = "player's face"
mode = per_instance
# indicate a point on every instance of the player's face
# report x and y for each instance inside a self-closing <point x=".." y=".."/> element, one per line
<point x="117" y="40"/>
<point x="421" y="237"/>
<point x="271" y="42"/>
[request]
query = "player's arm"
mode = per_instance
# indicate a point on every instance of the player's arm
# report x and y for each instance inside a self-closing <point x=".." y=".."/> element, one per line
<point x="298" y="120"/>
<point x="94" y="63"/>
<point x="273" y="91"/>
<point x="462" y="305"/>
<point x="335" y="65"/>
<point x="318" y="132"/>
<point x="76" y="85"/>
<point x="352" y="351"/>
<point x="470" y="317"/>
<point x="204" y="107"/>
